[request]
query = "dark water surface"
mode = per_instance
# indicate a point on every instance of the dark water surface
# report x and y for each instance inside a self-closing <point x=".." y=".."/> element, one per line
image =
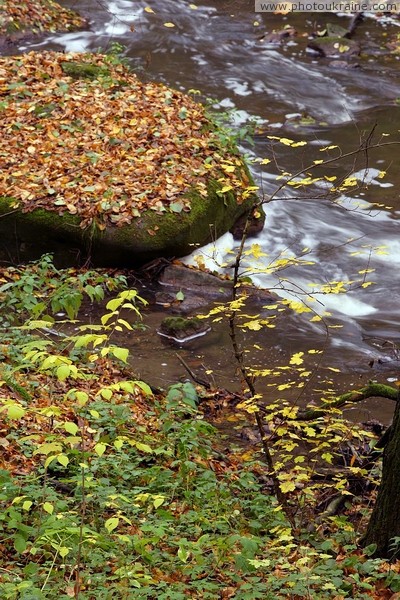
<point x="215" y="47"/>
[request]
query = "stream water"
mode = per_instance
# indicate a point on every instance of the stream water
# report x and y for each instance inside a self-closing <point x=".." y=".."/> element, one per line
<point x="215" y="47"/>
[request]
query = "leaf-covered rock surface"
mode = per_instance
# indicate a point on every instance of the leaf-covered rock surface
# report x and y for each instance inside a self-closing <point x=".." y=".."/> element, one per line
<point x="36" y="16"/>
<point x="82" y="136"/>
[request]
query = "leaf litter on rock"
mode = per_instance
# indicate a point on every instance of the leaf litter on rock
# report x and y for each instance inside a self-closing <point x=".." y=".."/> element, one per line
<point x="105" y="148"/>
<point x="36" y="16"/>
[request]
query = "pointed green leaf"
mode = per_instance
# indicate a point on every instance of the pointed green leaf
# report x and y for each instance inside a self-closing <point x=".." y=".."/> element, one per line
<point x="49" y="460"/>
<point x="63" y="459"/>
<point x="118" y="444"/>
<point x="63" y="371"/>
<point x="143" y="447"/>
<point x="158" y="501"/>
<point x="15" y="412"/>
<point x="48" y="447"/>
<point x="111" y="524"/>
<point x="144" y="387"/>
<point x="82" y="398"/>
<point x="125" y="324"/>
<point x="114" y="304"/>
<point x="100" y="448"/>
<point x="19" y="543"/>
<point x="126" y="386"/>
<point x="48" y="507"/>
<point x="183" y="554"/>
<point x="106" y="393"/>
<point x="120" y="353"/>
<point x="71" y="428"/>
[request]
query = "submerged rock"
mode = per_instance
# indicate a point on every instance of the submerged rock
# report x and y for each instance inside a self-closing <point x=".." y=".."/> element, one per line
<point x="344" y="64"/>
<point x="277" y="37"/>
<point x="181" y="329"/>
<point x="199" y="289"/>
<point x="335" y="47"/>
<point x="255" y="227"/>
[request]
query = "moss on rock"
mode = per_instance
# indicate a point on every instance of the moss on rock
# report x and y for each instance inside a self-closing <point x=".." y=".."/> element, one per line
<point x="79" y="70"/>
<point x="29" y="234"/>
<point x="183" y="329"/>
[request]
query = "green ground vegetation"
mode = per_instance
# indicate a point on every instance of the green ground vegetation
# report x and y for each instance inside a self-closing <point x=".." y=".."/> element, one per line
<point x="110" y="489"/>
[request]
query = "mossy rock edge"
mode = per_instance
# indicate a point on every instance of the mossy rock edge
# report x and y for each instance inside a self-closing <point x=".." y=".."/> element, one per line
<point x="27" y="235"/>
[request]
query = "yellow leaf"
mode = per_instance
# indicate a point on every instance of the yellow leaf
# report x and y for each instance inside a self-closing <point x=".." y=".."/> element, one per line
<point x="350" y="182"/>
<point x="287" y="486"/>
<point x="100" y="448"/>
<point x="315" y="318"/>
<point x="252" y="409"/>
<point x="310" y="431"/>
<point x="286" y="141"/>
<point x="169" y="25"/>
<point x="256" y="251"/>
<point x="296" y="359"/>
<point x="48" y="507"/>
<point x="305" y="373"/>
<point x="284" y="386"/>
<point x="254" y="325"/>
<point x="328" y="148"/>
<point x="298" y="307"/>
<point x="149" y="10"/>
<point x="290" y="412"/>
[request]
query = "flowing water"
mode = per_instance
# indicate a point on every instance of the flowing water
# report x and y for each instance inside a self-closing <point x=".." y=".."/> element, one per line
<point x="215" y="47"/>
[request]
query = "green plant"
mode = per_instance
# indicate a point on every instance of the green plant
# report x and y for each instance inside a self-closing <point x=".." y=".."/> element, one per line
<point x="42" y="289"/>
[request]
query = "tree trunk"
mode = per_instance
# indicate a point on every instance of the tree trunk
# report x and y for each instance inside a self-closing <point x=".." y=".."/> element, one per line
<point x="384" y="524"/>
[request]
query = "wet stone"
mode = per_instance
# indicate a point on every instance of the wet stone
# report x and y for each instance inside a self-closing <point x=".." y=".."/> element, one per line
<point x="182" y="329"/>
<point x="335" y="47"/>
<point x="277" y="37"/>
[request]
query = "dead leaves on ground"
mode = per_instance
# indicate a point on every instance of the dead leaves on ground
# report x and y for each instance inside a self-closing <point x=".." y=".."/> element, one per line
<point x="104" y="148"/>
<point x="36" y="16"/>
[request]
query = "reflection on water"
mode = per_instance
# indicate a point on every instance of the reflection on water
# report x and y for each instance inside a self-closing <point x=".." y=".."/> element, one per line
<point x="215" y="46"/>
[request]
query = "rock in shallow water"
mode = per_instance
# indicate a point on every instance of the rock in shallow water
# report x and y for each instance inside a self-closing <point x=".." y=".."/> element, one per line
<point x="335" y="47"/>
<point x="182" y="329"/>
